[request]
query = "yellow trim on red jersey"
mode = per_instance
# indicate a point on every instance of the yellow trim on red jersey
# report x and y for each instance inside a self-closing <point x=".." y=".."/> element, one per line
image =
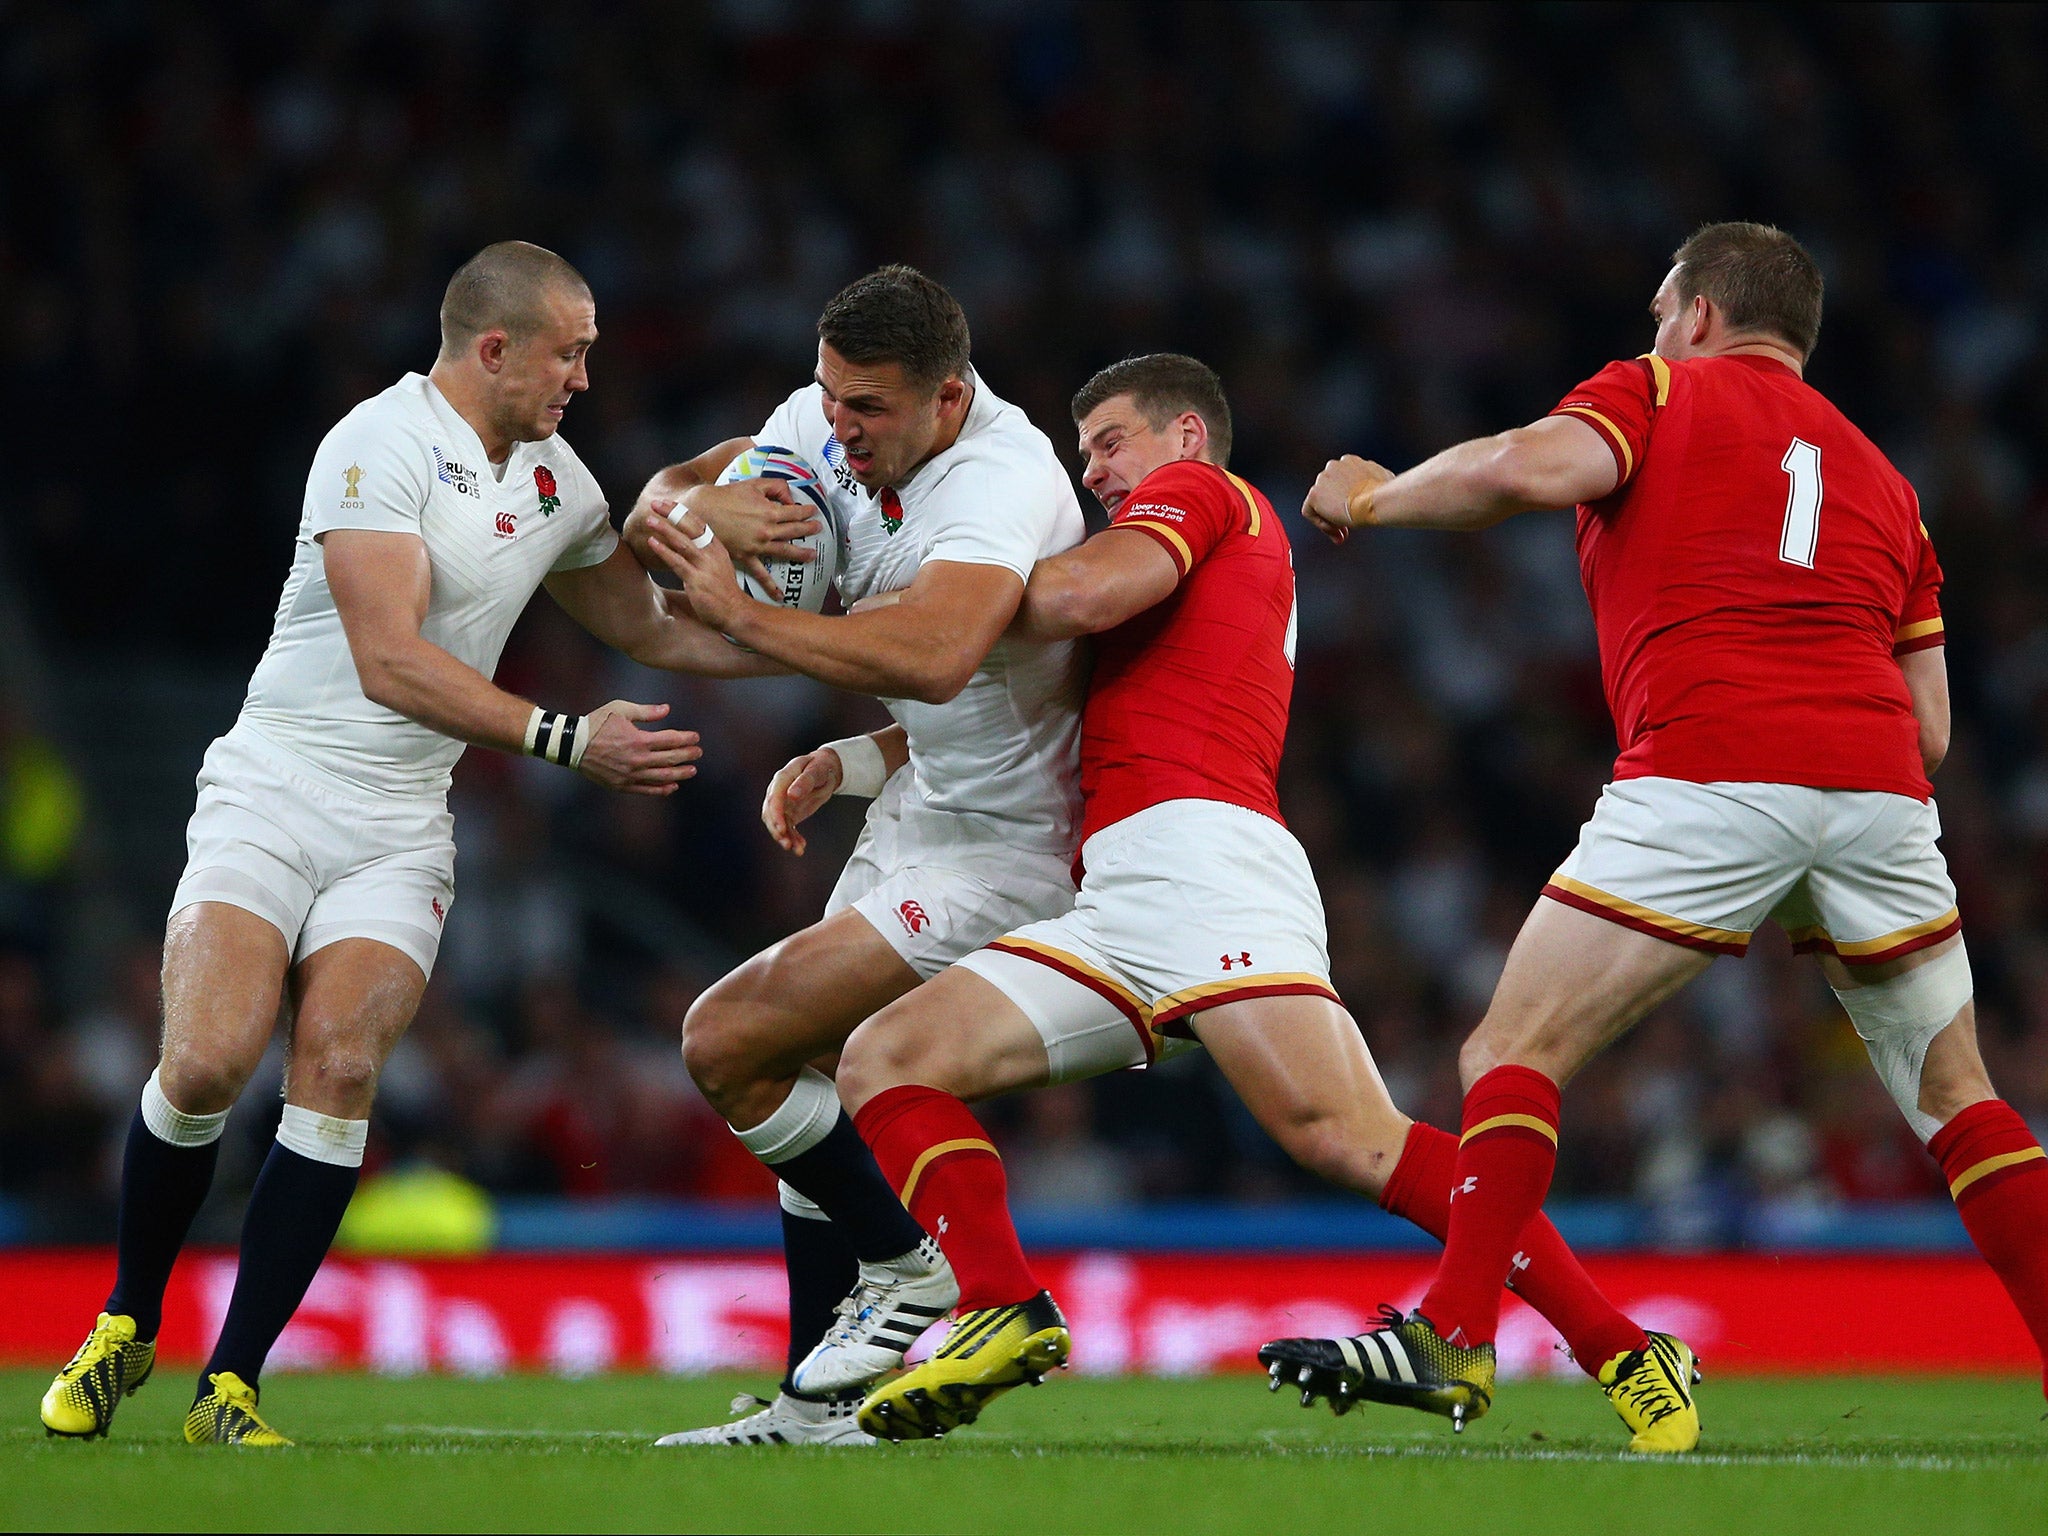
<point x="1677" y="925"/>
<point x="1662" y="370"/>
<point x="1504" y="1122"/>
<point x="1251" y="502"/>
<point x="1915" y="631"/>
<point x="931" y="1154"/>
<point x="1168" y="534"/>
<point x="1992" y="1165"/>
<point x="1628" y="458"/>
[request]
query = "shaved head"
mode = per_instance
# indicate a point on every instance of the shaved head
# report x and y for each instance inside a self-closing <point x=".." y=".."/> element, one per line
<point x="505" y="287"/>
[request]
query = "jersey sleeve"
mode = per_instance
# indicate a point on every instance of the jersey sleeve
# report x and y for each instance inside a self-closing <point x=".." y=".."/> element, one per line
<point x="1920" y="626"/>
<point x="1620" y="403"/>
<point x="990" y="514"/>
<point x="369" y="473"/>
<point x="595" y="540"/>
<point x="1185" y="508"/>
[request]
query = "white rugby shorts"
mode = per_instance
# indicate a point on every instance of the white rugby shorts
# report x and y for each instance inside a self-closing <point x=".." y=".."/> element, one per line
<point x="937" y="886"/>
<point x="1855" y="873"/>
<point x="316" y="857"/>
<point x="1186" y="906"/>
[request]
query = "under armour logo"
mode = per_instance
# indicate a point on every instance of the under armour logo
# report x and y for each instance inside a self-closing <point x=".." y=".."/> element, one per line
<point x="911" y="915"/>
<point x="1465" y="1188"/>
<point x="508" y="524"/>
<point x="1243" y="957"/>
<point x="942" y="1226"/>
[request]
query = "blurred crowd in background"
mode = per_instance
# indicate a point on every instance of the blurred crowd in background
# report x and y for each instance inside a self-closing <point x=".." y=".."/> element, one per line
<point x="1388" y="226"/>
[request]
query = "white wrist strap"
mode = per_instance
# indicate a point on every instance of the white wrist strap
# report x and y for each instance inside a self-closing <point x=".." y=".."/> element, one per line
<point x="557" y="737"/>
<point x="862" y="769"/>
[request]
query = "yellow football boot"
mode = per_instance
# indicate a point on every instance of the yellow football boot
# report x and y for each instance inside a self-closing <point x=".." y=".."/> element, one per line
<point x="227" y="1416"/>
<point x="1651" y="1388"/>
<point x="986" y="1353"/>
<point x="1403" y="1361"/>
<point x="109" y="1365"/>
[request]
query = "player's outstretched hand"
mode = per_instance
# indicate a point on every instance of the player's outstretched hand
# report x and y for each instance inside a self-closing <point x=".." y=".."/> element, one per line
<point x="700" y="563"/>
<point x="799" y="787"/>
<point x="622" y="756"/>
<point x="1330" y="498"/>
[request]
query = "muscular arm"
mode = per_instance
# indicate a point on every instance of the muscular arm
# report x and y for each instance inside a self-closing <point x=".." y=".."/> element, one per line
<point x="924" y="647"/>
<point x="1927" y="681"/>
<point x="1095" y="586"/>
<point x="1559" y="461"/>
<point x="617" y="602"/>
<point x="381" y="584"/>
<point x="755" y="519"/>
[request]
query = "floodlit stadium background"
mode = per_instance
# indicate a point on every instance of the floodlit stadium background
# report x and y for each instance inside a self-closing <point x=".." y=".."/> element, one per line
<point x="1389" y="227"/>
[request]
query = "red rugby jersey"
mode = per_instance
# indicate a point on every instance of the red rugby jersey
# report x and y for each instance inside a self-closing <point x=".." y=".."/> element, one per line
<point x="1189" y="698"/>
<point x="1754" y="576"/>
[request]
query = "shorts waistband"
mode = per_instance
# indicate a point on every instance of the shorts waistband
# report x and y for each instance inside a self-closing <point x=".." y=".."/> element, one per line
<point x="325" y="780"/>
<point x="1138" y="823"/>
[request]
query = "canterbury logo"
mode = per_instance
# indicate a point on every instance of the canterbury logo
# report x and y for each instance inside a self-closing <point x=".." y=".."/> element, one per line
<point x="911" y="915"/>
<point x="508" y="524"/>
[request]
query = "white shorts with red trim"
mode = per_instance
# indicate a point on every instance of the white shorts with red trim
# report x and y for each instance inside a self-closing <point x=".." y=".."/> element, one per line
<point x="1186" y="906"/>
<point x="939" y="886"/>
<point x="1855" y="873"/>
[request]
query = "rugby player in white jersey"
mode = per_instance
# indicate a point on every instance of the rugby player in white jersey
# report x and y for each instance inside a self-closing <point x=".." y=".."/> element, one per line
<point x="942" y="490"/>
<point x="321" y="862"/>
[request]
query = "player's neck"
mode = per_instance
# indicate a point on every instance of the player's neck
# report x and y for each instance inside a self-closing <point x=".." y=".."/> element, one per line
<point x="949" y="434"/>
<point x="1776" y="351"/>
<point x="461" y="393"/>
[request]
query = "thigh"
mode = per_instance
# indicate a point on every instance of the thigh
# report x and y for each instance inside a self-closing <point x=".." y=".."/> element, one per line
<point x="1573" y="982"/>
<point x="1304" y="1072"/>
<point x="799" y="999"/>
<point x="223" y="978"/>
<point x="1087" y="1021"/>
<point x="958" y="1032"/>
<point x="352" y="1000"/>
<point x="394" y="885"/>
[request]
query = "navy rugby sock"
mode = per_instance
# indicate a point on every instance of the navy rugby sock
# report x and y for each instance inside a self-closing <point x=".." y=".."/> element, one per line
<point x="822" y="1273"/>
<point x="162" y="1187"/>
<point x="293" y="1214"/>
<point x="840" y="1175"/>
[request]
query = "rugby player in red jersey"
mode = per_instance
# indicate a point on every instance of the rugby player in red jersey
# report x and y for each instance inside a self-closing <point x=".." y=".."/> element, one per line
<point x="1197" y="921"/>
<point x="1771" y="640"/>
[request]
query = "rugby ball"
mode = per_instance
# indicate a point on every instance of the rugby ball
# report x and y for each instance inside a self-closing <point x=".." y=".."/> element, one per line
<point x="798" y="584"/>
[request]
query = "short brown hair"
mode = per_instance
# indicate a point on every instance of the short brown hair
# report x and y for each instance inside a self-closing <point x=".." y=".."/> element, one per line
<point x="898" y="315"/>
<point x="504" y="287"/>
<point x="1758" y="276"/>
<point x="1162" y="385"/>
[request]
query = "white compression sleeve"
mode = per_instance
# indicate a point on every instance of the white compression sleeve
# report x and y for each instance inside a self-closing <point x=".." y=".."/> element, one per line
<point x="862" y="768"/>
<point x="324" y="1138"/>
<point x="1898" y="1019"/>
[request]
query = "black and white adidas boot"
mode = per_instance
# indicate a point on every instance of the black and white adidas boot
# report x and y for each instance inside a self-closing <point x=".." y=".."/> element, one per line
<point x="786" y="1421"/>
<point x="1403" y="1361"/>
<point x="891" y="1307"/>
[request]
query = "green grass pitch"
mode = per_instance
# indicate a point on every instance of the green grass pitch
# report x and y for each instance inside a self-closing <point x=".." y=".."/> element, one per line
<point x="1931" y="1457"/>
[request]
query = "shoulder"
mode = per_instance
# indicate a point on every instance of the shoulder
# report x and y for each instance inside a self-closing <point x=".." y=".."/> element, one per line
<point x="1184" y="486"/>
<point x="397" y="419"/>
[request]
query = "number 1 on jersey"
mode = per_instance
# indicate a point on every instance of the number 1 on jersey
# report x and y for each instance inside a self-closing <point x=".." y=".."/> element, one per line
<point x="1802" y="505"/>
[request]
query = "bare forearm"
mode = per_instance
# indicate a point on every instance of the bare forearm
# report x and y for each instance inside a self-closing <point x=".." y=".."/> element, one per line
<point x="419" y="680"/>
<point x="1461" y="488"/>
<point x="676" y="642"/>
<point x="877" y="653"/>
<point x="1056" y="605"/>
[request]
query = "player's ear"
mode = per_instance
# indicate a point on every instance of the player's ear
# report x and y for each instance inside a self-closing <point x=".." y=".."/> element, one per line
<point x="1702" y="319"/>
<point x="1194" y="435"/>
<point x="491" y="350"/>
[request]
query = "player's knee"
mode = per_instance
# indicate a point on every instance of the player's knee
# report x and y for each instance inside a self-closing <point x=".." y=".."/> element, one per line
<point x="199" y="1082"/>
<point x="714" y="1048"/>
<point x="1900" y="1019"/>
<point x="338" y="1078"/>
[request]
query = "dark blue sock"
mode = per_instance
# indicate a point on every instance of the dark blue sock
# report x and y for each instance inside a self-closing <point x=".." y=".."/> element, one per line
<point x="294" y="1212"/>
<point x="841" y="1177"/>
<point x="162" y="1188"/>
<point x="822" y="1271"/>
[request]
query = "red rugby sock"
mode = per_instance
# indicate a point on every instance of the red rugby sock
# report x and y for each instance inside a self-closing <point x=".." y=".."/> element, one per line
<point x="1547" y="1274"/>
<point x="1505" y="1159"/>
<point x="942" y="1164"/>
<point x="1998" y="1176"/>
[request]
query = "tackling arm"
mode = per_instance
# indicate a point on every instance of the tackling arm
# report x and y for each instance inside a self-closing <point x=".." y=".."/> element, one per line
<point x="755" y="519"/>
<point x="1926" y="675"/>
<point x="1559" y="461"/>
<point x="1095" y="586"/>
<point x="617" y="602"/>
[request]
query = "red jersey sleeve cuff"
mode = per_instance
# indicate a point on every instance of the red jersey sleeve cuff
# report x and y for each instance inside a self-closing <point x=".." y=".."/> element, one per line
<point x="1624" y="456"/>
<point x="1168" y="536"/>
<point x="1923" y="635"/>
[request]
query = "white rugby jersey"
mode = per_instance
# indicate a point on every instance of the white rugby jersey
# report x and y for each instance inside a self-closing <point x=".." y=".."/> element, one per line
<point x="404" y="461"/>
<point x="1006" y="751"/>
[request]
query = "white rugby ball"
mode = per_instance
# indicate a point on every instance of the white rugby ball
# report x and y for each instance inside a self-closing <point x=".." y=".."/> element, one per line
<point x="798" y="583"/>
